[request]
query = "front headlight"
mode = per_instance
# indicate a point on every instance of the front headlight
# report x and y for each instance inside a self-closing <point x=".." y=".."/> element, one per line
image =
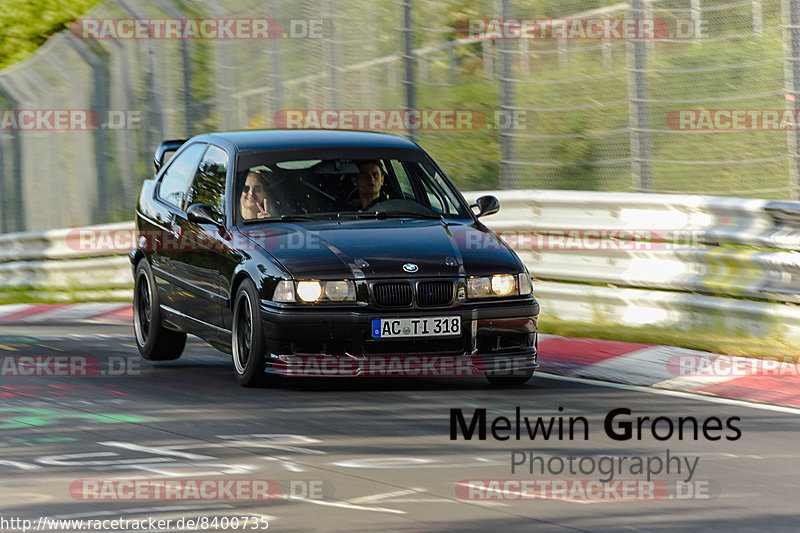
<point x="312" y="291"/>
<point x="499" y="285"/>
<point x="340" y="291"/>
<point x="309" y="291"/>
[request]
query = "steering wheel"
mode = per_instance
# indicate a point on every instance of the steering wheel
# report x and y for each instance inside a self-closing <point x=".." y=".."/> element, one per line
<point x="403" y="205"/>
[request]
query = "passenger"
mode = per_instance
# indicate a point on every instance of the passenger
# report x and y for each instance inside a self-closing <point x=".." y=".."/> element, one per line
<point x="369" y="183"/>
<point x="253" y="201"/>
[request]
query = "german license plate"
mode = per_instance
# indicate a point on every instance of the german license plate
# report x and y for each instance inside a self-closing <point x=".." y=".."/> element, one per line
<point x="430" y="326"/>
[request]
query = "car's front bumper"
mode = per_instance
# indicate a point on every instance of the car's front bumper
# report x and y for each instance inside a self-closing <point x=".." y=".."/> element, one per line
<point x="496" y="338"/>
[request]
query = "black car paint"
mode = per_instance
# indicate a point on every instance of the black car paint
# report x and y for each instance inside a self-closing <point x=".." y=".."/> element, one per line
<point x="197" y="287"/>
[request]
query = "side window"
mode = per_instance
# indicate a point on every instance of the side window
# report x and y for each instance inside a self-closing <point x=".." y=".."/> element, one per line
<point x="175" y="181"/>
<point x="402" y="178"/>
<point x="439" y="196"/>
<point x="209" y="181"/>
<point x="433" y="199"/>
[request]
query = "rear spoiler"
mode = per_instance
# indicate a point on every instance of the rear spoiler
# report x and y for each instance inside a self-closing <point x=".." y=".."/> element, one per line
<point x="163" y="149"/>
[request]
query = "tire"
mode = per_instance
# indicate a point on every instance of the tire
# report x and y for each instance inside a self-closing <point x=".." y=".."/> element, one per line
<point x="155" y="342"/>
<point x="248" y="345"/>
<point x="505" y="380"/>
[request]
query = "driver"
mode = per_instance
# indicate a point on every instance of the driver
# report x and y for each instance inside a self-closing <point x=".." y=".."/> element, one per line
<point x="369" y="182"/>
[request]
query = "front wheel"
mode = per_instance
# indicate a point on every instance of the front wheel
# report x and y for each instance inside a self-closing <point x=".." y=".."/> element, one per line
<point x="248" y="345"/>
<point x="155" y="342"/>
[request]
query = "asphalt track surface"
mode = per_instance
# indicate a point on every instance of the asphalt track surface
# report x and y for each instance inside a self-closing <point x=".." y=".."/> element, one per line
<point x="359" y="454"/>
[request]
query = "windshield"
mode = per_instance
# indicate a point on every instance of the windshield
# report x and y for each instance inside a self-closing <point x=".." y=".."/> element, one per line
<point x="309" y="189"/>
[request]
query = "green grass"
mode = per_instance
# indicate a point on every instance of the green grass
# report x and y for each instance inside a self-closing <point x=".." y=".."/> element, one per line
<point x="25" y="25"/>
<point x="38" y="295"/>
<point x="711" y="341"/>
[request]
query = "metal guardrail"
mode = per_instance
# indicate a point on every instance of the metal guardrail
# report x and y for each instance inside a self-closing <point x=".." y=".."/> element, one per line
<point x="684" y="262"/>
<point x="674" y="261"/>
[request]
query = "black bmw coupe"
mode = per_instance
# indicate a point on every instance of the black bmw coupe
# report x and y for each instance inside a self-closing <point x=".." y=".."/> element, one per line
<point x="326" y="253"/>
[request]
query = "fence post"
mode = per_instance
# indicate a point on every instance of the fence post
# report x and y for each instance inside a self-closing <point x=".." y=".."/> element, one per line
<point x="408" y="60"/>
<point x="758" y="23"/>
<point x="332" y="57"/>
<point x="275" y="74"/>
<point x="507" y="149"/>
<point x="12" y="206"/>
<point x="486" y="56"/>
<point x="791" y="79"/>
<point x="174" y="10"/>
<point x="638" y="107"/>
<point x="696" y="13"/>
<point x="101" y="83"/>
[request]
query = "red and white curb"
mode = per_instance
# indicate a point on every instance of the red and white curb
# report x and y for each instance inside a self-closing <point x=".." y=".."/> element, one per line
<point x="114" y="312"/>
<point x="665" y="367"/>
<point x="769" y="380"/>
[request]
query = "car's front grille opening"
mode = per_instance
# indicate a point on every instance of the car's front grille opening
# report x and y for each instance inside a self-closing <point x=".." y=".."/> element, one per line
<point x="435" y="292"/>
<point x="493" y="343"/>
<point x="423" y="347"/>
<point x="309" y="348"/>
<point x="396" y="294"/>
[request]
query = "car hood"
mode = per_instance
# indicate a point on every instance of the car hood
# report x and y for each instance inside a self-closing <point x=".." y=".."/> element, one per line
<point x="380" y="248"/>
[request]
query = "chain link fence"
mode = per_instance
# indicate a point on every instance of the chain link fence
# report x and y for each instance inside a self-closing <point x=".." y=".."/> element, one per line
<point x="548" y="110"/>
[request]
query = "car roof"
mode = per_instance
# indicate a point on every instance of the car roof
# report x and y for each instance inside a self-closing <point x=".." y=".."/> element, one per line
<point x="298" y="139"/>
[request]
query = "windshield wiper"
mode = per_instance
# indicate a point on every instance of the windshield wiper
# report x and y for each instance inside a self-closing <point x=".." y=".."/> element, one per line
<point x="387" y="214"/>
<point x="355" y="214"/>
<point x="408" y="214"/>
<point x="290" y="218"/>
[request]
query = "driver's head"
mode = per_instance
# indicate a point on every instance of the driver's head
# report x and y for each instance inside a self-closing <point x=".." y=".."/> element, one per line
<point x="369" y="179"/>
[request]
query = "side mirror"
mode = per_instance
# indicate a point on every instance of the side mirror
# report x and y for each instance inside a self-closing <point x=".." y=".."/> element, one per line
<point x="487" y="205"/>
<point x="203" y="214"/>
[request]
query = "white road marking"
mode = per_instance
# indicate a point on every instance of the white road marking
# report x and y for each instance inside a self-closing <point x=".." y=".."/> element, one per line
<point x="20" y="465"/>
<point x="412" y="462"/>
<point x="344" y="505"/>
<point x="679" y="394"/>
<point x="384" y="495"/>
<point x="489" y="489"/>
<point x="143" y="510"/>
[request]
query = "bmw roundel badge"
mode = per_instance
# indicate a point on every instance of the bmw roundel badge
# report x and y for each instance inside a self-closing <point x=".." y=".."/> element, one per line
<point x="410" y="267"/>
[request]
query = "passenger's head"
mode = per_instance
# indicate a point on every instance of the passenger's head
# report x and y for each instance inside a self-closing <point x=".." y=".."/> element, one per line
<point x="254" y="194"/>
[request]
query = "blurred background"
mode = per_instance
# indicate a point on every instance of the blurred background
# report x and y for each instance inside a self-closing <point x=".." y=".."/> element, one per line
<point x="593" y="112"/>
